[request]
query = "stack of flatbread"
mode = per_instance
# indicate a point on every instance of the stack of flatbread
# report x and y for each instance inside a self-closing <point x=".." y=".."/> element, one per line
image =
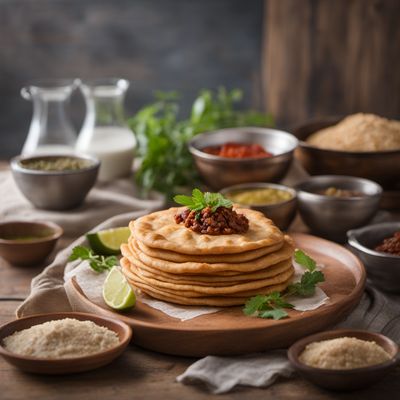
<point x="170" y="262"/>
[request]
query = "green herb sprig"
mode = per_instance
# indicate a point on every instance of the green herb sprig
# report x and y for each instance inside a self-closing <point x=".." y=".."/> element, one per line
<point x="163" y="136"/>
<point x="272" y="305"/>
<point x="96" y="262"/>
<point x="200" y="200"/>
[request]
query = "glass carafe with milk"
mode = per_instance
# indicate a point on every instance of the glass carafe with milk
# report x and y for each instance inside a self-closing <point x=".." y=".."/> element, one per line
<point x="104" y="132"/>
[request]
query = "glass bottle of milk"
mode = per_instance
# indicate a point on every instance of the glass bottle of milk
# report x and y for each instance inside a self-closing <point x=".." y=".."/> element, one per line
<point x="104" y="132"/>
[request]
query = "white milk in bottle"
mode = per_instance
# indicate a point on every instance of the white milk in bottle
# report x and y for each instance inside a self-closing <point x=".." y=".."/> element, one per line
<point x="104" y="133"/>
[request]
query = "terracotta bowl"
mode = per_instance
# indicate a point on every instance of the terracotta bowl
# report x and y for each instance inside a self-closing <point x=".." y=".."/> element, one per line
<point x="344" y="379"/>
<point x="66" y="365"/>
<point x="28" y="242"/>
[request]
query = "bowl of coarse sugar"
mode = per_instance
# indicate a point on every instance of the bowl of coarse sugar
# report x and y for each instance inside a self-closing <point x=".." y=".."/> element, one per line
<point x="344" y="359"/>
<point x="63" y="343"/>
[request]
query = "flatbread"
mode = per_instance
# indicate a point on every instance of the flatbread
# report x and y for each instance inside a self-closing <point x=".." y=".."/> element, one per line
<point x="263" y="262"/>
<point x="160" y="231"/>
<point x="208" y="258"/>
<point x="214" y="279"/>
<point x="197" y="301"/>
<point x="211" y="290"/>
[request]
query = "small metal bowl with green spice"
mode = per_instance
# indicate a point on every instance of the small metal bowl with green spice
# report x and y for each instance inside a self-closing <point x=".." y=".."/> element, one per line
<point x="277" y="202"/>
<point x="55" y="182"/>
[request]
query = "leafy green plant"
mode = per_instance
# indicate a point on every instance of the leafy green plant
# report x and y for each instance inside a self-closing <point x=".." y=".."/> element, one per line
<point x="163" y="137"/>
<point x="272" y="305"/>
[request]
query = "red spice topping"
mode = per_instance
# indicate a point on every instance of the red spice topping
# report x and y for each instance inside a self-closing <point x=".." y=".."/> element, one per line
<point x="224" y="221"/>
<point x="390" y="245"/>
<point x="238" y="150"/>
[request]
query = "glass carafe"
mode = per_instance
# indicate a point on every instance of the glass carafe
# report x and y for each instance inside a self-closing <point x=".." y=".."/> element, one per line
<point x="104" y="133"/>
<point x="51" y="130"/>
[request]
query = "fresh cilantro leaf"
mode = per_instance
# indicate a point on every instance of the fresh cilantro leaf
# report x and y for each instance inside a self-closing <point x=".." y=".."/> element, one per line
<point x="80" y="252"/>
<point x="307" y="284"/>
<point x="198" y="196"/>
<point x="199" y="201"/>
<point x="184" y="200"/>
<point x="275" y="313"/>
<point x="254" y="304"/>
<point x="272" y="305"/>
<point x="304" y="260"/>
<point x="97" y="263"/>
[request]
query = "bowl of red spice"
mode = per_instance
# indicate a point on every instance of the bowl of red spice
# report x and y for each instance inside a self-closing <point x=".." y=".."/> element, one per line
<point x="241" y="155"/>
<point x="378" y="246"/>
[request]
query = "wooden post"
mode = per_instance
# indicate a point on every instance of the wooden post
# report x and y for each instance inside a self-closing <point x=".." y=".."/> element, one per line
<point x="331" y="57"/>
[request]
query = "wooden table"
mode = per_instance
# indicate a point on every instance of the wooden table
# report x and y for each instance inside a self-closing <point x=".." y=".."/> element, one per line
<point x="138" y="373"/>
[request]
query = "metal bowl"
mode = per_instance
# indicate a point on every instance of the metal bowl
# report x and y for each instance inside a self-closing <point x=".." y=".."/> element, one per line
<point x="282" y="213"/>
<point x="55" y="190"/>
<point x="380" y="166"/>
<point x="331" y="216"/>
<point x="382" y="269"/>
<point x="219" y="172"/>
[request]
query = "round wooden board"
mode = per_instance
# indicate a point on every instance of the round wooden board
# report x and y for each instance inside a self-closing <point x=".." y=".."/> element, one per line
<point x="230" y="332"/>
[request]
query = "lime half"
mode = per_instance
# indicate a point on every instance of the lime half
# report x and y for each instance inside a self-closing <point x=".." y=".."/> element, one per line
<point x="117" y="293"/>
<point x="108" y="242"/>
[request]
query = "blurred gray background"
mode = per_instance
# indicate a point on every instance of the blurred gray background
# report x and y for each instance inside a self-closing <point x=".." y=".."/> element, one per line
<point x="182" y="45"/>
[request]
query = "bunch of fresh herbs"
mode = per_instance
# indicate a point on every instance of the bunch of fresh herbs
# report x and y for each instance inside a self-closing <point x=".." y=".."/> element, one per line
<point x="162" y="137"/>
<point x="97" y="262"/>
<point x="273" y="305"/>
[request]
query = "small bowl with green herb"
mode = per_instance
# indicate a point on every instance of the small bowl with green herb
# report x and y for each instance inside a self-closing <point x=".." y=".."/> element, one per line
<point x="277" y="202"/>
<point x="28" y="242"/>
<point x="55" y="182"/>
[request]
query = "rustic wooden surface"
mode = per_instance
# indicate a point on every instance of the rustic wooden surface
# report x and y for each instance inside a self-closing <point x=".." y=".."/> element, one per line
<point x="141" y="374"/>
<point x="324" y="58"/>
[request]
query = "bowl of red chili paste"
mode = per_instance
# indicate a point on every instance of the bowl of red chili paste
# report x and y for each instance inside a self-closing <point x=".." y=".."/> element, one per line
<point x="378" y="246"/>
<point x="240" y="155"/>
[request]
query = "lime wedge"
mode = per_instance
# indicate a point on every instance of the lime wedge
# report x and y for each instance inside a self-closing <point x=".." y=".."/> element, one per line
<point x="108" y="242"/>
<point x="117" y="292"/>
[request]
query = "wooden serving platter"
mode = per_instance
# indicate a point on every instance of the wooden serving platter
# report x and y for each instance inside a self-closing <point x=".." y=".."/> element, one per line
<point x="230" y="332"/>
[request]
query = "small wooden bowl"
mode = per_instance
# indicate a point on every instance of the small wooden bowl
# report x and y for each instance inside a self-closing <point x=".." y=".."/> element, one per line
<point x="349" y="379"/>
<point x="65" y="365"/>
<point x="28" y="252"/>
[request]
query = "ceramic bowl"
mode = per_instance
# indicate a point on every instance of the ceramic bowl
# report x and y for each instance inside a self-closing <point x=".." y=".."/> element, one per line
<point x="28" y="242"/>
<point x="330" y="216"/>
<point x="66" y="365"/>
<point x="383" y="270"/>
<point x="55" y="190"/>
<point x="349" y="379"/>
<point x="378" y="166"/>
<point x="219" y="172"/>
<point x="281" y="213"/>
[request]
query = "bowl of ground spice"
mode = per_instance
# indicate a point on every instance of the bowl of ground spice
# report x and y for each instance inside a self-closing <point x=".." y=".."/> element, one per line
<point x="55" y="182"/>
<point x="378" y="247"/>
<point x="63" y="343"/>
<point x="344" y="359"/>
